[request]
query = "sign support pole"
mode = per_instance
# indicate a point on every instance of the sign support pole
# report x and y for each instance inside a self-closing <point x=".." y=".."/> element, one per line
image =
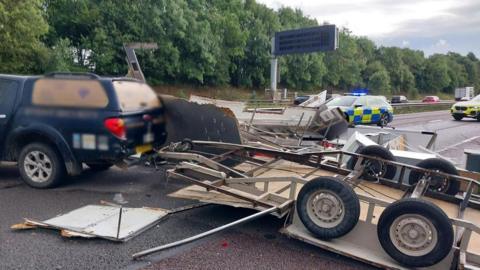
<point x="273" y="71"/>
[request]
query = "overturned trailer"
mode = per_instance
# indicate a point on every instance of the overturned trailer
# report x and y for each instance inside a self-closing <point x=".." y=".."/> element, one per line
<point x="355" y="211"/>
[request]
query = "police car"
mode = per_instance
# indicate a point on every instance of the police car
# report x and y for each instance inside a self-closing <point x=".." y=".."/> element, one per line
<point x="470" y="109"/>
<point x="364" y="109"/>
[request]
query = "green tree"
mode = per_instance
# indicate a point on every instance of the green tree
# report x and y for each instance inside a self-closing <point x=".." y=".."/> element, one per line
<point x="345" y="65"/>
<point x="436" y="73"/>
<point x="379" y="82"/>
<point x="22" y="26"/>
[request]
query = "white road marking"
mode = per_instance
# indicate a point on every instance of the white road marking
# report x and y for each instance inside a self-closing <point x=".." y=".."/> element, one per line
<point x="457" y="144"/>
<point x="434" y="121"/>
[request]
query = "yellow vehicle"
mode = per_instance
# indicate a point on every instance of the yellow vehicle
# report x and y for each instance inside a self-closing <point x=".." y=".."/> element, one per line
<point x="470" y="109"/>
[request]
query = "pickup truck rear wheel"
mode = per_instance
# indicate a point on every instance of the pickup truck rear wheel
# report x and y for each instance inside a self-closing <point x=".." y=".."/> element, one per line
<point x="41" y="166"/>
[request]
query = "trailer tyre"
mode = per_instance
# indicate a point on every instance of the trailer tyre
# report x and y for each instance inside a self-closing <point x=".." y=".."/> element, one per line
<point x="415" y="232"/>
<point x="373" y="168"/>
<point x="437" y="183"/>
<point x="328" y="208"/>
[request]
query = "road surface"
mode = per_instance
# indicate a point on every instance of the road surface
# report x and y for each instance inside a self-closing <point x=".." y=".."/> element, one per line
<point x="256" y="245"/>
<point x="453" y="136"/>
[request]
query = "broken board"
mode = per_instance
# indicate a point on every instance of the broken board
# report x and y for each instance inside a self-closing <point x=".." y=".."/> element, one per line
<point x="99" y="221"/>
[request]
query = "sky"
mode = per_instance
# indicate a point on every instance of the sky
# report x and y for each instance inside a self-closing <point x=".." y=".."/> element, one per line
<point x="433" y="26"/>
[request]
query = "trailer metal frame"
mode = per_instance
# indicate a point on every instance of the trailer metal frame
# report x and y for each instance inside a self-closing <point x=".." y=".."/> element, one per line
<point x="208" y="171"/>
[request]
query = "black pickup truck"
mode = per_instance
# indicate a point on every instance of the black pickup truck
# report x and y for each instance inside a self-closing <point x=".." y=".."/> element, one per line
<point x="51" y="125"/>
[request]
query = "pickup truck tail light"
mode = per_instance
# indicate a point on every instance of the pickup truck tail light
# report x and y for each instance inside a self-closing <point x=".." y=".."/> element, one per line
<point x="117" y="127"/>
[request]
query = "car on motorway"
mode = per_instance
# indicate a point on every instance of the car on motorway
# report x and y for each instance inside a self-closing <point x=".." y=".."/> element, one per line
<point x="51" y="125"/>
<point x="470" y="109"/>
<point x="301" y="99"/>
<point x="364" y="109"/>
<point x="431" y="99"/>
<point x="399" y="99"/>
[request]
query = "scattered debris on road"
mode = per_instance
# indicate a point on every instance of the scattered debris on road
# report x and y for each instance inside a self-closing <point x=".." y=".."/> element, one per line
<point x="99" y="221"/>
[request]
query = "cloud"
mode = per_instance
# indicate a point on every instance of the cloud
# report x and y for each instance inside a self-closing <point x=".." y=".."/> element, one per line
<point x="418" y="24"/>
<point x="441" y="43"/>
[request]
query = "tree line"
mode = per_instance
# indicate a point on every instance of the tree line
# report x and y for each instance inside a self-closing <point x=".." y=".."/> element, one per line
<point x="211" y="42"/>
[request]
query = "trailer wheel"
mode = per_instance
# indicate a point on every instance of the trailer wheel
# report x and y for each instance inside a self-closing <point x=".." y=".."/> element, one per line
<point x="437" y="183"/>
<point x="374" y="168"/>
<point x="329" y="208"/>
<point x="415" y="232"/>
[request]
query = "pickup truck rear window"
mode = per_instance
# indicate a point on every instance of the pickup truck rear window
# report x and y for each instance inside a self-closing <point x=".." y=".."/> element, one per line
<point x="135" y="96"/>
<point x="69" y="93"/>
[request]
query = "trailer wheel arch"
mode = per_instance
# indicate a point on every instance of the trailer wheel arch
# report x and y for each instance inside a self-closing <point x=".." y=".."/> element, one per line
<point x="329" y="208"/>
<point x="433" y="232"/>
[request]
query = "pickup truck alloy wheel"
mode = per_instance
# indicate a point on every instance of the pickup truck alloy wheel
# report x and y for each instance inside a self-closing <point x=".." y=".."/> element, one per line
<point x="38" y="166"/>
<point x="41" y="166"/>
<point x="328" y="207"/>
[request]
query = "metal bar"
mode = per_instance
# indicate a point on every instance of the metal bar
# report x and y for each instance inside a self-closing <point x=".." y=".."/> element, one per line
<point x="459" y="232"/>
<point x="261" y="166"/>
<point x="300" y="140"/>
<point x="119" y="222"/>
<point x="402" y="175"/>
<point x="199" y="158"/>
<point x="420" y="189"/>
<point x="299" y="122"/>
<point x="201" y="169"/>
<point x="205" y="234"/>
<point x="299" y="157"/>
<point x="340" y="160"/>
<point x="280" y="190"/>
<point x="432" y="141"/>
<point x="311" y="172"/>
<point x="265" y="186"/>
<point x="265" y="179"/>
<point x="187" y="207"/>
<point x="371" y="208"/>
<point x="251" y="119"/>
<point x="293" y="190"/>
<point x="222" y="157"/>
<point x="465" y="239"/>
<point x="220" y="189"/>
